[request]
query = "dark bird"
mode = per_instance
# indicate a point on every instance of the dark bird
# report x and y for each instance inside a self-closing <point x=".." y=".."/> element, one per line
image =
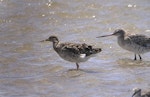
<point x="73" y="52"/>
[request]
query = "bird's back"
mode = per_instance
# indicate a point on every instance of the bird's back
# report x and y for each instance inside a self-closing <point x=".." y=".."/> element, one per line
<point x="74" y="52"/>
<point x="140" y="40"/>
<point x="136" y="43"/>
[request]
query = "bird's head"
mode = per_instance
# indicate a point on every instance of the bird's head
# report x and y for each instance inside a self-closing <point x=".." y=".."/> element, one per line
<point x="117" y="32"/>
<point x="51" y="39"/>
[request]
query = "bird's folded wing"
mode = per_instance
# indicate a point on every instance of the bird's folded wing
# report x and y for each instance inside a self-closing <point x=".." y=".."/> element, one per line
<point x="71" y="48"/>
<point x="140" y="40"/>
<point x="77" y="48"/>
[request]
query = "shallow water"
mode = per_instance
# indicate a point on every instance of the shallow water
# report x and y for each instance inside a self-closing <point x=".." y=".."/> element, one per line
<point x="29" y="68"/>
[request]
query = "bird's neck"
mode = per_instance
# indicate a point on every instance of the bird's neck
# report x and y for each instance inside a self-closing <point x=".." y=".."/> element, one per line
<point x="121" y="39"/>
<point x="55" y="43"/>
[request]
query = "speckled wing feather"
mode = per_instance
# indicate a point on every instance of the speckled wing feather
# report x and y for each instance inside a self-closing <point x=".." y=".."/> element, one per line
<point x="140" y="40"/>
<point x="77" y="48"/>
<point x="70" y="47"/>
<point x="74" y="48"/>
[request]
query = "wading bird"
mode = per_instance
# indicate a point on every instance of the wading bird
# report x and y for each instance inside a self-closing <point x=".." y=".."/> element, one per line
<point x="73" y="52"/>
<point x="138" y="44"/>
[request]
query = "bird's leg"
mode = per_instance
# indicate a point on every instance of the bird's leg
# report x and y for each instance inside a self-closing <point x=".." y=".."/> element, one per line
<point x="77" y="66"/>
<point x="140" y="57"/>
<point x="135" y="57"/>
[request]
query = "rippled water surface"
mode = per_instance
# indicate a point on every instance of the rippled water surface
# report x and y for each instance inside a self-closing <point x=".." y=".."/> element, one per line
<point x="29" y="68"/>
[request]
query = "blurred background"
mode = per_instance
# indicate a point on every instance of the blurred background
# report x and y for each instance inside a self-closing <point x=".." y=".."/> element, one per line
<point x="29" y="68"/>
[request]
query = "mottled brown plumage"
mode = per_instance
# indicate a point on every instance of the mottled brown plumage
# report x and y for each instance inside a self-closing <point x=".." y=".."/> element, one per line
<point x="73" y="52"/>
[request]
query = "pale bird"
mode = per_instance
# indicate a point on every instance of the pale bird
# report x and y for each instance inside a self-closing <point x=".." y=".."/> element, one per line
<point x="138" y="44"/>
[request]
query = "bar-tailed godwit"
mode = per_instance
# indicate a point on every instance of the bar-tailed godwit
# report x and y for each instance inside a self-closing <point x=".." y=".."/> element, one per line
<point x="138" y="44"/>
<point x="73" y="52"/>
<point x="137" y="93"/>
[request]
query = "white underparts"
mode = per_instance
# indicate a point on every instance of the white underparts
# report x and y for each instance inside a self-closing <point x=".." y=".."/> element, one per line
<point x="82" y="55"/>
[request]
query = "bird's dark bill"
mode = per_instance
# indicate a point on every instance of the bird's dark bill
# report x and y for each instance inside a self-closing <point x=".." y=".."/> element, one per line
<point x="44" y="40"/>
<point x="104" y="36"/>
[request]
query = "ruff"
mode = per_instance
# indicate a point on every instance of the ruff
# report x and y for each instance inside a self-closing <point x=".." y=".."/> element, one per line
<point x="73" y="52"/>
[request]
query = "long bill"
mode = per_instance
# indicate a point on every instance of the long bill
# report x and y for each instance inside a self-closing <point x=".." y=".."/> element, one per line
<point x="105" y="36"/>
<point x="44" y="40"/>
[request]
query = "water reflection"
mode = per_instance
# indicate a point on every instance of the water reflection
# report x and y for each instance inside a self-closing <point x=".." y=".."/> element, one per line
<point x="133" y="63"/>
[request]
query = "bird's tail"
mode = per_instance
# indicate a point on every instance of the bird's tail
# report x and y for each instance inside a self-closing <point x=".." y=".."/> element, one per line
<point x="96" y="50"/>
<point x="93" y="51"/>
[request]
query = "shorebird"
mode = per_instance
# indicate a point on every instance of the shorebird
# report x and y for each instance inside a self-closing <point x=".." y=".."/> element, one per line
<point x="73" y="52"/>
<point x="137" y="93"/>
<point x="138" y="44"/>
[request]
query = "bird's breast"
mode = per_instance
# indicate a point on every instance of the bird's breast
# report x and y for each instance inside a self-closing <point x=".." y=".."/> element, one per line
<point x="68" y="56"/>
